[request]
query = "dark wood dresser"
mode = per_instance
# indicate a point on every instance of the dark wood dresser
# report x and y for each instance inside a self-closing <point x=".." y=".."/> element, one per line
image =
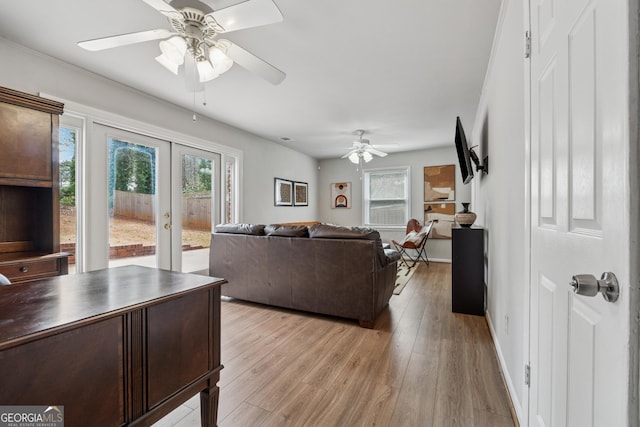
<point x="120" y="346"/>
<point x="29" y="187"/>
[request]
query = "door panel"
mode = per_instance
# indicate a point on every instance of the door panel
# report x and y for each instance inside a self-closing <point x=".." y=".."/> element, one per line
<point x="196" y="206"/>
<point x="579" y="205"/>
<point x="583" y="323"/>
<point x="546" y="12"/>
<point x="137" y="195"/>
<point x="547" y="147"/>
<point x="585" y="146"/>
<point x="547" y="297"/>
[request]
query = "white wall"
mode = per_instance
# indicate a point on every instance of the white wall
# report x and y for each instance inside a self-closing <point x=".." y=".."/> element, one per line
<point x="263" y="162"/>
<point x="340" y="170"/>
<point x="501" y="198"/>
<point x="32" y="72"/>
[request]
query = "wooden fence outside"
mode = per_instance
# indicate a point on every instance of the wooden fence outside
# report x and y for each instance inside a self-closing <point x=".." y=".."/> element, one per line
<point x="196" y="211"/>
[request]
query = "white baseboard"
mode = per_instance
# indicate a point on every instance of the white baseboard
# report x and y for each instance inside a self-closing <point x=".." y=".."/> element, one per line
<point x="517" y="406"/>
<point x="448" y="261"/>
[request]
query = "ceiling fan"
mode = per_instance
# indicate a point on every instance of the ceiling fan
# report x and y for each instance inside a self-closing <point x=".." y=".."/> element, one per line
<point x="362" y="150"/>
<point x="193" y="40"/>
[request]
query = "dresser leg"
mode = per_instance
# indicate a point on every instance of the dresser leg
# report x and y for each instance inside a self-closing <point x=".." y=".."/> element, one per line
<point x="209" y="406"/>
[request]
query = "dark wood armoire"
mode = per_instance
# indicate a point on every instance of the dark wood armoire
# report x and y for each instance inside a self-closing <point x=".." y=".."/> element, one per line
<point x="29" y="188"/>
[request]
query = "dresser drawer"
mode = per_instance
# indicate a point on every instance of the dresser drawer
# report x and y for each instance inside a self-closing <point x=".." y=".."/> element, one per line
<point x="21" y="271"/>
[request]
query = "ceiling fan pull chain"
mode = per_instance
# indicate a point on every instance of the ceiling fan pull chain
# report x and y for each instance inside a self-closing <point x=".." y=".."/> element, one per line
<point x="194" y="106"/>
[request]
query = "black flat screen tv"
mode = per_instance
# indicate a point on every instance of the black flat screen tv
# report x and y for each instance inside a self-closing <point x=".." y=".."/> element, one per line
<point x="464" y="158"/>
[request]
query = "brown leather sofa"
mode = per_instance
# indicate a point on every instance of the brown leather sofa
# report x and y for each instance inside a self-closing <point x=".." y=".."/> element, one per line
<point x="323" y="268"/>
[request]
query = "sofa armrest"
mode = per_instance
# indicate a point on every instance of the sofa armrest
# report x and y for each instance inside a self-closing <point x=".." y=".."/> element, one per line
<point x="392" y="255"/>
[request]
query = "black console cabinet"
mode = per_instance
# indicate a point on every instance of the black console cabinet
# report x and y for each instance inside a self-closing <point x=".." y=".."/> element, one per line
<point x="467" y="271"/>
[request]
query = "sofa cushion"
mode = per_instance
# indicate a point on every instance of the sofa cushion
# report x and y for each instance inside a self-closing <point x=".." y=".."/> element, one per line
<point x="286" y="230"/>
<point x="328" y="231"/>
<point x="251" y="229"/>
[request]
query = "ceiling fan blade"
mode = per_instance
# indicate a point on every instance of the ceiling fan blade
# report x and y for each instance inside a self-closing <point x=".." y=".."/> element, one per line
<point x="160" y="5"/>
<point x="124" y="39"/>
<point x="349" y="153"/>
<point x="376" y="152"/>
<point x="254" y="64"/>
<point x="251" y="13"/>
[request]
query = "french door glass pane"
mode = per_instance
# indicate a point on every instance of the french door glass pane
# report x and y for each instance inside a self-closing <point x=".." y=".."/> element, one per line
<point x="197" y="184"/>
<point x="132" y="203"/>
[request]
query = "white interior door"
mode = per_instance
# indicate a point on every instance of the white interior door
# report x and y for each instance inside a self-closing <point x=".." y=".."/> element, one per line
<point x="579" y="217"/>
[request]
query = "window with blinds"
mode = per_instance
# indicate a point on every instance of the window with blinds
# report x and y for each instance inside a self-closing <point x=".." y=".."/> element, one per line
<point x="386" y="197"/>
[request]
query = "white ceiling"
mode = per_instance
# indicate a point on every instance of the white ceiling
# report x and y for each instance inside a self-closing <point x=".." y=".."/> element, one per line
<point x="402" y="70"/>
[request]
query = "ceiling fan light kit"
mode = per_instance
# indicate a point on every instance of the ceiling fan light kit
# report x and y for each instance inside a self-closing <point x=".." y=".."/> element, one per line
<point x="365" y="156"/>
<point x="362" y="150"/>
<point x="173" y="51"/>
<point x="166" y="63"/>
<point x="218" y="56"/>
<point x="197" y="32"/>
<point x="206" y="71"/>
<point x="194" y="33"/>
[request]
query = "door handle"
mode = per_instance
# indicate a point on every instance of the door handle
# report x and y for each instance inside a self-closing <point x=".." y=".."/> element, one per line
<point x="588" y="285"/>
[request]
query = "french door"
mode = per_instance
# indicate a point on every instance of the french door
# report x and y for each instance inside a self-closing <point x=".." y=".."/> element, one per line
<point x="151" y="201"/>
<point x="137" y="205"/>
<point x="195" y="206"/>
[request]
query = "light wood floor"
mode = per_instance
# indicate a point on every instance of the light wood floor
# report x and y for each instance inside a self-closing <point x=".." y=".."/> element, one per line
<point x="421" y="366"/>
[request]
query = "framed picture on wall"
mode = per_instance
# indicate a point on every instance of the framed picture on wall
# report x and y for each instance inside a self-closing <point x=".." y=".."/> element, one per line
<point x="301" y="198"/>
<point x="340" y="195"/>
<point x="444" y="213"/>
<point x="283" y="192"/>
<point x="439" y="183"/>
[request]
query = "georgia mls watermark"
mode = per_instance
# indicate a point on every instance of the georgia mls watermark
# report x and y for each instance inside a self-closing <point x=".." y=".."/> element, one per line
<point x="31" y="416"/>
